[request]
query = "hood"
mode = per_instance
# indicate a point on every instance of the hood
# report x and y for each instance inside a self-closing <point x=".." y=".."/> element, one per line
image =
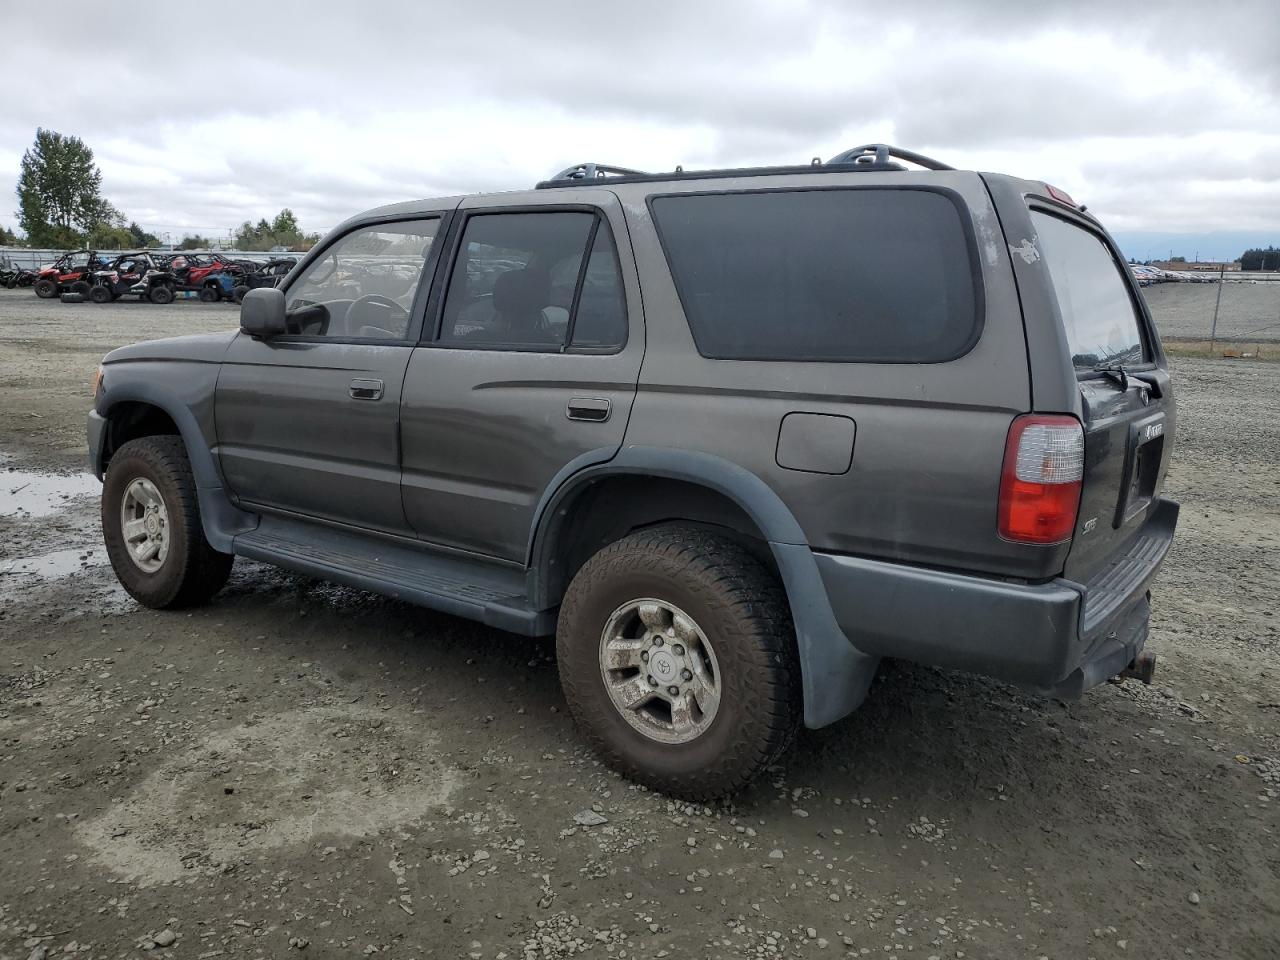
<point x="196" y="347"/>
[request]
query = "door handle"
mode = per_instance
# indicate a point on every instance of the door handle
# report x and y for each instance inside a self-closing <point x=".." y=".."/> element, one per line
<point x="366" y="389"/>
<point x="592" y="409"/>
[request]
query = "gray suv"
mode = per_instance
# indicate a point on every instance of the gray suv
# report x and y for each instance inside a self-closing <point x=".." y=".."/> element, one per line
<point x="731" y="436"/>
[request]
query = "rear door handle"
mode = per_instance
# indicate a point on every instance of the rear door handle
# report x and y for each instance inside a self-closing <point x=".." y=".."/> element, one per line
<point x="593" y="409"/>
<point x="366" y="389"/>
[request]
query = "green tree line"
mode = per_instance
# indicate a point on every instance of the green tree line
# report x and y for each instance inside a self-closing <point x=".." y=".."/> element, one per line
<point x="1260" y="259"/>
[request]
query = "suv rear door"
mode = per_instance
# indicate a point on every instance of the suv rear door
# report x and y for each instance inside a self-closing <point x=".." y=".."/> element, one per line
<point x="527" y="369"/>
<point x="1099" y="322"/>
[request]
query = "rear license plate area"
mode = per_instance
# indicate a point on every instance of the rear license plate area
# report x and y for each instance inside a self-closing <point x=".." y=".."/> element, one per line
<point x="1142" y="468"/>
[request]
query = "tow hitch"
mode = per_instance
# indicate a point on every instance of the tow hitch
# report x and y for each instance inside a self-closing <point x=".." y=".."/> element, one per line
<point x="1142" y="668"/>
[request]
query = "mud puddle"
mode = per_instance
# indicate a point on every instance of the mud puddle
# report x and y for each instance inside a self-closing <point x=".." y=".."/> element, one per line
<point x="28" y="493"/>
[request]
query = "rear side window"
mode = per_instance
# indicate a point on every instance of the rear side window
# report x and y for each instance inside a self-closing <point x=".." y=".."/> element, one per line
<point x="545" y="281"/>
<point x="1099" y="315"/>
<point x="860" y="275"/>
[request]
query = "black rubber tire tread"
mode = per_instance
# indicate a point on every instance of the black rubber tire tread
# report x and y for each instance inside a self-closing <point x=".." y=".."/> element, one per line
<point x="238" y="292"/>
<point x="45" y="289"/>
<point x="100" y="294"/>
<point x="193" y="571"/>
<point x="744" y="611"/>
<point x="161" y="294"/>
<point x="210" y="294"/>
<point x="71" y="297"/>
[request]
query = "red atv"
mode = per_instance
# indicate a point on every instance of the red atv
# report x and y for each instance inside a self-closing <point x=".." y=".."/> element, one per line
<point x="71" y="272"/>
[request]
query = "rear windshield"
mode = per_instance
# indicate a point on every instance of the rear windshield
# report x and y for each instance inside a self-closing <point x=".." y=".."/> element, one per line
<point x="1102" y="325"/>
<point x="864" y="275"/>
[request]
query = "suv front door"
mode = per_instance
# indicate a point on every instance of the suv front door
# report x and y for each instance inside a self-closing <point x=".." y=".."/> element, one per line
<point x="530" y="365"/>
<point x="308" y="423"/>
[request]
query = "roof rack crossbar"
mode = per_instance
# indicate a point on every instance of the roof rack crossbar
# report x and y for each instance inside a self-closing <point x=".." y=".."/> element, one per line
<point x="877" y="155"/>
<point x="593" y="171"/>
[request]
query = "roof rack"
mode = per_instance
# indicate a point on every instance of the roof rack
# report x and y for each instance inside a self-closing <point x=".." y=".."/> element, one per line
<point x="869" y="157"/>
<point x="591" y="171"/>
<point x="876" y="156"/>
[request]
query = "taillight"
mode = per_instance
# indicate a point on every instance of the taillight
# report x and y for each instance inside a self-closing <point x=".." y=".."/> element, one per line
<point x="1040" y="482"/>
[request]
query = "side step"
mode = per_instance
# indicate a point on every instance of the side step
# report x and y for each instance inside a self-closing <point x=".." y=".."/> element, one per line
<point x="491" y="593"/>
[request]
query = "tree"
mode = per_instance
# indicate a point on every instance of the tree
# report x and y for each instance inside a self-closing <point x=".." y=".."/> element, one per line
<point x="8" y="238"/>
<point x="196" y="242"/>
<point x="108" y="236"/>
<point x="283" y="231"/>
<point x="141" y="238"/>
<point x="1259" y="259"/>
<point x="1177" y="259"/>
<point x="59" y="191"/>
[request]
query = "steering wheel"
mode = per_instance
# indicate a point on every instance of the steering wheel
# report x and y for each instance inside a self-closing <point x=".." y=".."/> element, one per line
<point x="381" y="301"/>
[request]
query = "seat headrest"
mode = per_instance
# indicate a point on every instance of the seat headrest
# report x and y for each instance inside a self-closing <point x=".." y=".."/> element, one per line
<point x="521" y="292"/>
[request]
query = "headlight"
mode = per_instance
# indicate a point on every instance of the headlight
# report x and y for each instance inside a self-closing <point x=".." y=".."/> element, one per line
<point x="97" y="381"/>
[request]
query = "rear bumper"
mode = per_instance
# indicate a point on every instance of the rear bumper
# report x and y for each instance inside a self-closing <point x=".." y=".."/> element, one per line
<point x="1057" y="638"/>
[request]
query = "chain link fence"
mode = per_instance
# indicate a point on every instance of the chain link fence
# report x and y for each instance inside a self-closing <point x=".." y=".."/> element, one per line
<point x="1233" y="315"/>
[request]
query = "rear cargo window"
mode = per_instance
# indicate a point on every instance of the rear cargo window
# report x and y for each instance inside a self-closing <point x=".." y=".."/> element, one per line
<point x="860" y="275"/>
<point x="1099" y="315"/>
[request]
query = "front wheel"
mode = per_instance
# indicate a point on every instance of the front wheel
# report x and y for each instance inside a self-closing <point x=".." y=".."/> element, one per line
<point x="161" y="293"/>
<point x="678" y="660"/>
<point x="151" y="526"/>
<point x="210" y="294"/>
<point x="46" y="289"/>
<point x="100" y="294"/>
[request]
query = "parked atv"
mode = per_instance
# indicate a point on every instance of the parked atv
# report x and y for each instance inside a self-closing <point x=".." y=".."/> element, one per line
<point x="268" y="274"/>
<point x="132" y="274"/>
<point x="70" y="273"/>
<point x="12" y="277"/>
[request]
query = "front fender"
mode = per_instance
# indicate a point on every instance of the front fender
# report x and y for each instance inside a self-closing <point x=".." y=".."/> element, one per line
<point x="184" y="390"/>
<point x="835" y="675"/>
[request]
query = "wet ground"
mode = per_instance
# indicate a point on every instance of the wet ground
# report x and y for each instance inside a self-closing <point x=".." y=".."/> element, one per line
<point x="305" y="767"/>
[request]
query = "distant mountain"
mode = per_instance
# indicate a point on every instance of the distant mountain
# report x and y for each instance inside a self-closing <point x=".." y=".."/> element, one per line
<point x="1214" y="246"/>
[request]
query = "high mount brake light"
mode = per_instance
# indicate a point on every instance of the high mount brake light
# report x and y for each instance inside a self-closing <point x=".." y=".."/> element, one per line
<point x="1060" y="195"/>
<point x="1041" y="479"/>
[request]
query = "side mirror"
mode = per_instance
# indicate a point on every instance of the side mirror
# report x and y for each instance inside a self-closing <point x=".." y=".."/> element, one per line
<point x="262" y="313"/>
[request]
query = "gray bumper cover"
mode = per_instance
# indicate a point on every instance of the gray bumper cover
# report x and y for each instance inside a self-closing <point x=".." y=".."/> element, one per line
<point x="1057" y="638"/>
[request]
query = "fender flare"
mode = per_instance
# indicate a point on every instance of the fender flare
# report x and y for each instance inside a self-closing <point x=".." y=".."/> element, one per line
<point x="221" y="519"/>
<point x="835" y="675"/>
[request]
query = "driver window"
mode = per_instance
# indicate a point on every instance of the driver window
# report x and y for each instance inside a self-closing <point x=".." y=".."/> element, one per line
<point x="363" y="286"/>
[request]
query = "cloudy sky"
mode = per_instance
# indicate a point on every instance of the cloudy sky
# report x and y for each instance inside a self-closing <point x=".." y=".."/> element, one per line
<point x="1163" y="117"/>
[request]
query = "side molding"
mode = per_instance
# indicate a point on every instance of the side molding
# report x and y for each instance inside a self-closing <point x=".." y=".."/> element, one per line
<point x="835" y="675"/>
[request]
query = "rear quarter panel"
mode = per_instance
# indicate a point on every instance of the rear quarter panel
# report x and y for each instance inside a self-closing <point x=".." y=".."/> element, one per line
<point x="923" y="483"/>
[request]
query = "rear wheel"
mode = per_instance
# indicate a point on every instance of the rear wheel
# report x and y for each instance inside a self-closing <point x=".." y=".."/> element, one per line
<point x="151" y="526"/>
<point x="46" y="289"/>
<point x="100" y="294"/>
<point x="238" y="293"/>
<point x="161" y="293"/>
<point x="81" y="287"/>
<point x="678" y="661"/>
<point x="210" y="294"/>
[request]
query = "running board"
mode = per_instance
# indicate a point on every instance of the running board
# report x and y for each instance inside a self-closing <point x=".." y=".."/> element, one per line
<point x="488" y="592"/>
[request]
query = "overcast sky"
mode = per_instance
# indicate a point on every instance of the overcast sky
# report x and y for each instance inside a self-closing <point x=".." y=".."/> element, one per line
<point x="1162" y="117"/>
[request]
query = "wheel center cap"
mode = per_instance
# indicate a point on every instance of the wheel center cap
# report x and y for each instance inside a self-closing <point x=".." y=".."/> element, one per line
<point x="153" y="525"/>
<point x="663" y="666"/>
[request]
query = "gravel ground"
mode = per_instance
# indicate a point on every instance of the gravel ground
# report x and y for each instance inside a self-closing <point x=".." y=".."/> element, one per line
<point x="302" y="767"/>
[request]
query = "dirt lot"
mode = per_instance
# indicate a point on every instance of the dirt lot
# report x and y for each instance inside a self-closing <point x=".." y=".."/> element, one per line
<point x="305" y="766"/>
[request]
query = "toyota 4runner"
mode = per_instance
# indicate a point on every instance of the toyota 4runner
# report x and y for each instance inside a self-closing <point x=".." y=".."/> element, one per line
<point x="731" y="435"/>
